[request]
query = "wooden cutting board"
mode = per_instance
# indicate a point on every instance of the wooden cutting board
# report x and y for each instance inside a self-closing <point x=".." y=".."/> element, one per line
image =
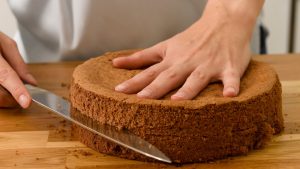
<point x="37" y="138"/>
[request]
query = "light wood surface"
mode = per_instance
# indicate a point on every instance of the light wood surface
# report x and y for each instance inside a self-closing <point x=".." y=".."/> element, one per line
<point x="37" y="138"/>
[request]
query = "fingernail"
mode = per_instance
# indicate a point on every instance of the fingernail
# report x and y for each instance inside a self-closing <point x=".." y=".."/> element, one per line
<point x="144" y="93"/>
<point x="121" y="87"/>
<point x="230" y="91"/>
<point x="31" y="79"/>
<point x="23" y="100"/>
<point x="115" y="61"/>
<point x="179" y="96"/>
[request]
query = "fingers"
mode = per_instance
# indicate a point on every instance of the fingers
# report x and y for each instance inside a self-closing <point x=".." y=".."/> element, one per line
<point x="231" y="82"/>
<point x="140" y="59"/>
<point x="196" y="82"/>
<point x="155" y="84"/>
<point x="6" y="100"/>
<point x="12" y="55"/>
<point x="141" y="80"/>
<point x="164" y="83"/>
<point x="10" y="81"/>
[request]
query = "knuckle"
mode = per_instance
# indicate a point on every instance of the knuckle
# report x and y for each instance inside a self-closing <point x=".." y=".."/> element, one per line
<point x="152" y="88"/>
<point x="231" y="73"/>
<point x="150" y="73"/>
<point x="198" y="74"/>
<point x="136" y="55"/>
<point x="9" y="42"/>
<point x="171" y="74"/>
<point x="4" y="74"/>
<point x="160" y="46"/>
<point x="187" y="90"/>
<point x="18" y="90"/>
<point x="22" y="72"/>
<point x="186" y="59"/>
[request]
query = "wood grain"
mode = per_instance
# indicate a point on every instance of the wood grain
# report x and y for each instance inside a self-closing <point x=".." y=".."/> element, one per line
<point x="37" y="138"/>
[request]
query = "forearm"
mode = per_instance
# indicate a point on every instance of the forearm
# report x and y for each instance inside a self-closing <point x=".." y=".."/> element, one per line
<point x="241" y="13"/>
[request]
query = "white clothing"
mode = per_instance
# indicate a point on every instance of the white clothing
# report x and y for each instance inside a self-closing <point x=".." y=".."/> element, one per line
<point x="55" y="30"/>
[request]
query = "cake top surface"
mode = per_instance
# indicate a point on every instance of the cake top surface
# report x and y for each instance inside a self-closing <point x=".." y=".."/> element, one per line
<point x="97" y="75"/>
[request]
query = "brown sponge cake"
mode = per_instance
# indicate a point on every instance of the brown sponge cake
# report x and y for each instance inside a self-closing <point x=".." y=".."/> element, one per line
<point x="207" y="128"/>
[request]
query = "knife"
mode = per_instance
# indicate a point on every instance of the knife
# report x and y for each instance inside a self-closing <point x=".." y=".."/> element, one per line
<point x="121" y="137"/>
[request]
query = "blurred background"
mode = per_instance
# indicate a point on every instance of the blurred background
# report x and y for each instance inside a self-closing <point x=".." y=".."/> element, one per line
<point x="279" y="16"/>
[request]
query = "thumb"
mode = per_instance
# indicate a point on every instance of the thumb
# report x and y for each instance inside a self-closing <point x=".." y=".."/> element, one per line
<point x="231" y="84"/>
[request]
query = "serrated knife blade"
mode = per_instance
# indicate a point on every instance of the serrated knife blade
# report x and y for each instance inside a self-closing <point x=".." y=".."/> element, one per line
<point x="121" y="137"/>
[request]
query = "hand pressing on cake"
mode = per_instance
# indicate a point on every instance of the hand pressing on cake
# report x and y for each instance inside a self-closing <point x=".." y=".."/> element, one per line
<point x="12" y="71"/>
<point x="215" y="48"/>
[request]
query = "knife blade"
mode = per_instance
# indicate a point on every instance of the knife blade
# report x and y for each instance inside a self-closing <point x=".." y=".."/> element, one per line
<point x="121" y="137"/>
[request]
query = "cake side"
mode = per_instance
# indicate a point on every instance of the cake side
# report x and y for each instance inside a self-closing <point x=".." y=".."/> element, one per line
<point x="233" y="129"/>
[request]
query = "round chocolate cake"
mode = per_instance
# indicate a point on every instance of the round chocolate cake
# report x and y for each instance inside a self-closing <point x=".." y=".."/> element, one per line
<point x="207" y="128"/>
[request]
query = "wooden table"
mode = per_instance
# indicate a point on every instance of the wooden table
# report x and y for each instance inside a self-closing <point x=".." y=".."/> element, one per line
<point x="37" y="138"/>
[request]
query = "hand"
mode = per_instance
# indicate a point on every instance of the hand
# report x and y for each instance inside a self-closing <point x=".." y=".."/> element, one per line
<point x="12" y="71"/>
<point x="214" y="48"/>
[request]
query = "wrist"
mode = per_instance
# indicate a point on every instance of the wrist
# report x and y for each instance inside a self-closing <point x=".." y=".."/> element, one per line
<point x="240" y="13"/>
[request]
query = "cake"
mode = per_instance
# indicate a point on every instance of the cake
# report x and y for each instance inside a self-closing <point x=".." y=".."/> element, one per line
<point x="207" y="128"/>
